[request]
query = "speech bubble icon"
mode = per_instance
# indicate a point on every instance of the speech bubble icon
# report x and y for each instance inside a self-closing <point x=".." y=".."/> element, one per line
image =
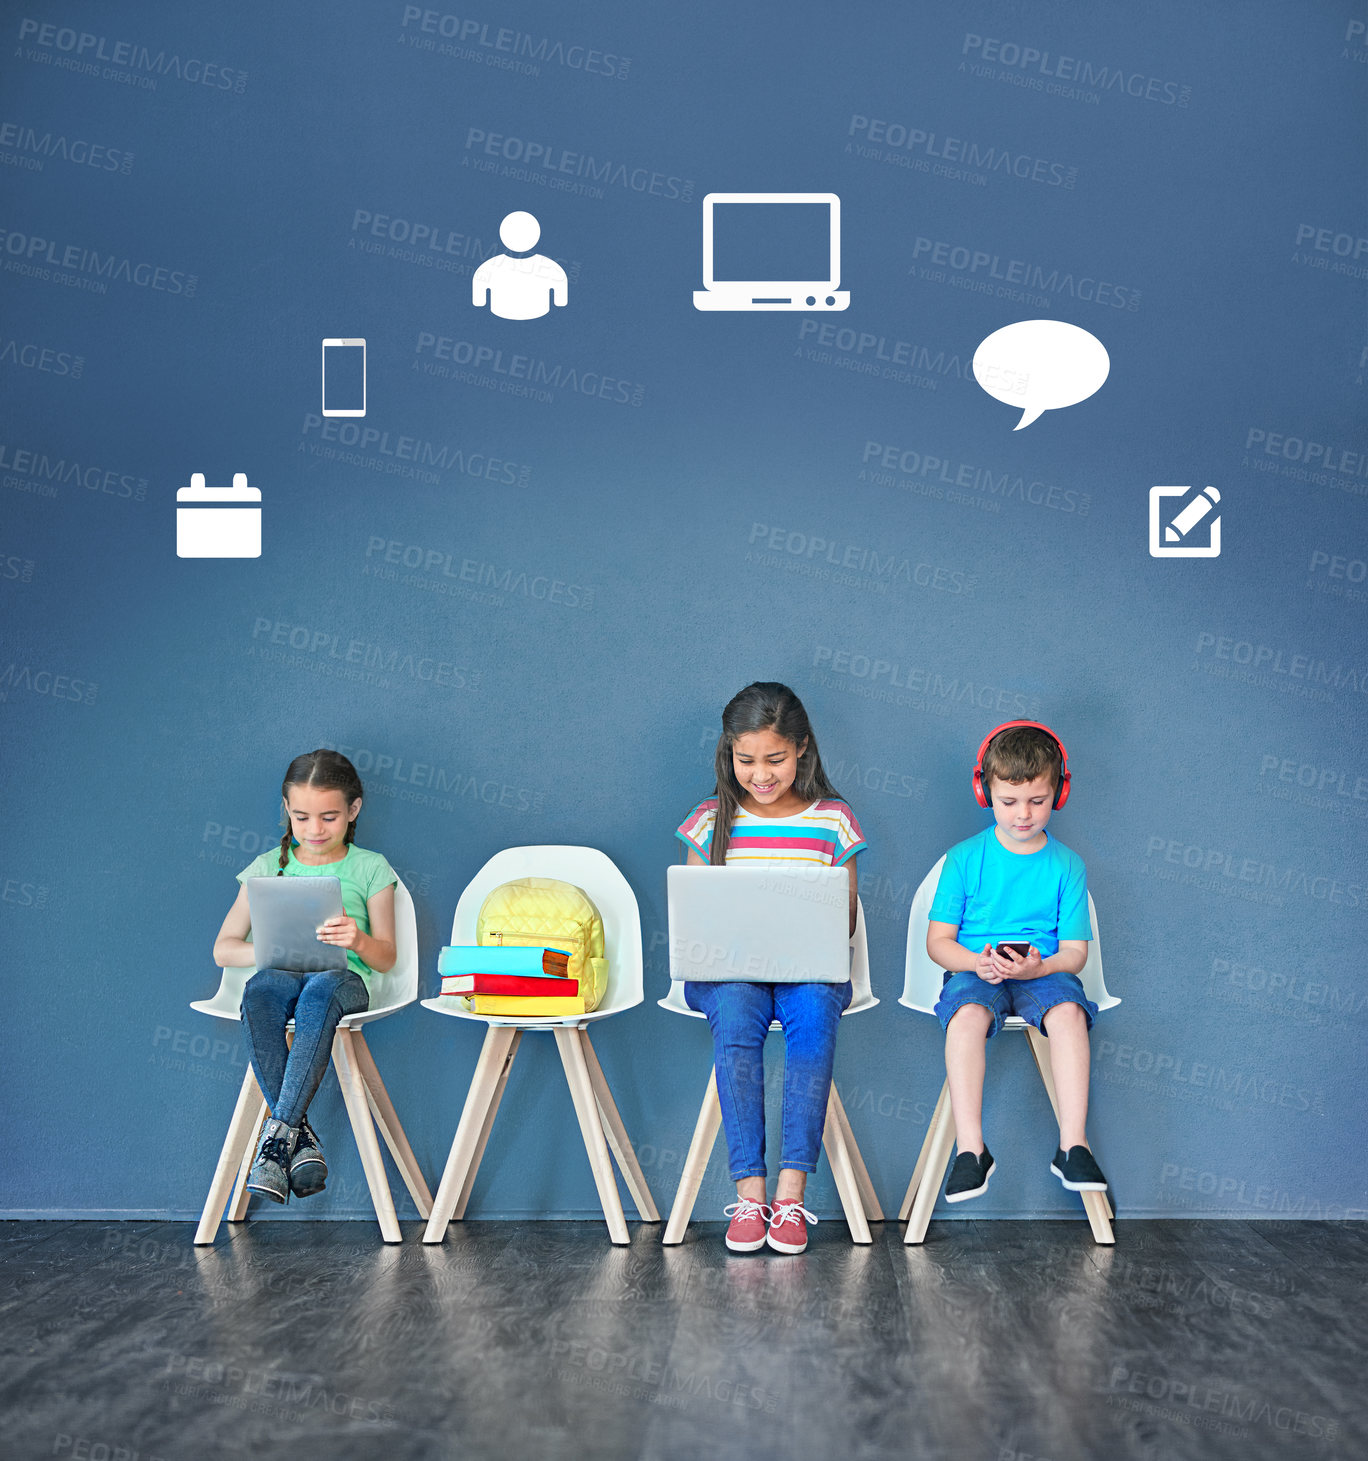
<point x="1040" y="365"/>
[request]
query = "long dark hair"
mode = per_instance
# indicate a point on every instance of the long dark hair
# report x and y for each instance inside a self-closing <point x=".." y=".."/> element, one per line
<point x="328" y="769"/>
<point x="765" y="705"/>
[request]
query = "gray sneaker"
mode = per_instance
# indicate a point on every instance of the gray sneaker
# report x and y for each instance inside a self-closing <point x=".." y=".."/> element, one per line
<point x="308" y="1170"/>
<point x="270" y="1173"/>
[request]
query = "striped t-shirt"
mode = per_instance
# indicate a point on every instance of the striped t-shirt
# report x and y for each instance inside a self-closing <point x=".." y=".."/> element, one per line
<point x="826" y="833"/>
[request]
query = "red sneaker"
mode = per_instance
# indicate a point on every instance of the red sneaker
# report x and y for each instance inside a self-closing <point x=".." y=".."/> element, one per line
<point x="747" y="1230"/>
<point x="787" y="1233"/>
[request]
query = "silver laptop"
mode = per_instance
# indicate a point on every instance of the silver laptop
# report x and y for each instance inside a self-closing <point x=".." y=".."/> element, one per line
<point x="760" y="925"/>
<point x="286" y="914"/>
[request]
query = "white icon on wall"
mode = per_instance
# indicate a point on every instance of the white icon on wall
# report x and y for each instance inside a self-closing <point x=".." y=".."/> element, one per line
<point x="344" y="377"/>
<point x="1174" y="539"/>
<point x="1040" y="365"/>
<point x="519" y="285"/>
<point x="771" y="251"/>
<point x="218" y="522"/>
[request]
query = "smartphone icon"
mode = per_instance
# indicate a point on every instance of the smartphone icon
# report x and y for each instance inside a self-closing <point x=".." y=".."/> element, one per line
<point x="344" y="377"/>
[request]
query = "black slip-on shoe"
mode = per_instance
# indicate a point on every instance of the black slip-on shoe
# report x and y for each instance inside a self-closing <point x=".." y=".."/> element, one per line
<point x="969" y="1176"/>
<point x="1077" y="1170"/>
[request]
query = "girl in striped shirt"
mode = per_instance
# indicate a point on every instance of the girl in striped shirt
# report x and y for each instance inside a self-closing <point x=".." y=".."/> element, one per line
<point x="773" y="805"/>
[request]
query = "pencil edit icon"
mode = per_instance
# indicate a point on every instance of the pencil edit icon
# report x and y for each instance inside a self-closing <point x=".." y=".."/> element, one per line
<point x="1178" y="537"/>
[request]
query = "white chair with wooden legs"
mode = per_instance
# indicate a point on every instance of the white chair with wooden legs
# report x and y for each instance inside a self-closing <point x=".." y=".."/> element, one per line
<point x="362" y="1090"/>
<point x="599" y="1122"/>
<point x="921" y="989"/>
<point x="856" y="1191"/>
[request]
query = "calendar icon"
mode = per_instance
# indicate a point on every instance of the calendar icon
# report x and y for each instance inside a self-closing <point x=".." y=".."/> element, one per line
<point x="218" y="522"/>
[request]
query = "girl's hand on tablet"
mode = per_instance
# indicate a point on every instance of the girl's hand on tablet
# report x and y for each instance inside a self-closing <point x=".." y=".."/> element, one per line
<point x="341" y="932"/>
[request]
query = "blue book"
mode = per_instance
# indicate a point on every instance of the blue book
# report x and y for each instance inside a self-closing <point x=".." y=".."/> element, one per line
<point x="508" y="959"/>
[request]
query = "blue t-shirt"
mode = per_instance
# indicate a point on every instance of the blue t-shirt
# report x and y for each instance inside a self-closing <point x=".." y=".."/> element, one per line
<point x="995" y="896"/>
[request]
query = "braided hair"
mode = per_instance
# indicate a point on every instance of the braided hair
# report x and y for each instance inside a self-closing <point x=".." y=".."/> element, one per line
<point x="328" y="769"/>
<point x="765" y="705"/>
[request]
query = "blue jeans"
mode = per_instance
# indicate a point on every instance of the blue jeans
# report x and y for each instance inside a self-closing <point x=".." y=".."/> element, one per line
<point x="1030" y="999"/>
<point x="739" y="1016"/>
<point x="289" y="1074"/>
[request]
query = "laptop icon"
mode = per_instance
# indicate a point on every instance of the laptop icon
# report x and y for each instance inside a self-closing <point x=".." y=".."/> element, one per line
<point x="771" y="251"/>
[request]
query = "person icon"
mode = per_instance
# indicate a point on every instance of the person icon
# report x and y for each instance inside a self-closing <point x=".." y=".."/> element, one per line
<point x="519" y="285"/>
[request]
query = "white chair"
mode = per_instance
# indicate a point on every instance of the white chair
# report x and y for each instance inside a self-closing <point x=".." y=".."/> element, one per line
<point x="599" y="1122"/>
<point x="856" y="1191"/>
<point x="362" y="1090"/>
<point x="921" y="990"/>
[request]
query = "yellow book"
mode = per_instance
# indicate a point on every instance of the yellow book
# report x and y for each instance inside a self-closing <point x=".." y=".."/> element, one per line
<point x="519" y="1004"/>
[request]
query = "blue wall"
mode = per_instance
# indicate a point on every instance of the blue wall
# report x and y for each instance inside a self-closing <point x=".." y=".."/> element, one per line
<point x="683" y="503"/>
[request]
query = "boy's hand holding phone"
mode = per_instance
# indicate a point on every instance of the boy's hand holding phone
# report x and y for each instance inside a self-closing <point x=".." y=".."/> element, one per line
<point x="987" y="969"/>
<point x="1017" y="961"/>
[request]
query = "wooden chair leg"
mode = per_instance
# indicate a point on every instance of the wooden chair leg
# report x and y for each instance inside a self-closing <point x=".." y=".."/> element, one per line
<point x="230" y="1158"/>
<point x="237" y="1206"/>
<point x="358" y="1108"/>
<point x="488" y="1069"/>
<point x="695" y="1163"/>
<point x="591" y="1128"/>
<point x="936" y="1158"/>
<point x="1095" y="1204"/>
<point x="458" y="1213"/>
<point x="867" y="1194"/>
<point x="838" y="1154"/>
<point x="920" y="1168"/>
<point x="382" y="1108"/>
<point x="616" y="1132"/>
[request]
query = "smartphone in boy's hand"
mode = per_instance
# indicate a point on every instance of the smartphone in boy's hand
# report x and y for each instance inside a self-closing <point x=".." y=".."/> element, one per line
<point x="1016" y="961"/>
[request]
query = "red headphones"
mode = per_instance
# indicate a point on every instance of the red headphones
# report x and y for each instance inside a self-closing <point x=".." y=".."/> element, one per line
<point x="981" y="795"/>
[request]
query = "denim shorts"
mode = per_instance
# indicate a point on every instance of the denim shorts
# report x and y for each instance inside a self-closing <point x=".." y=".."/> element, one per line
<point x="1027" y="998"/>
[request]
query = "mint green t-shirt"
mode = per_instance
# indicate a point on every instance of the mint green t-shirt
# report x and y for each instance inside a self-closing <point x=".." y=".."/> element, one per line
<point x="363" y="874"/>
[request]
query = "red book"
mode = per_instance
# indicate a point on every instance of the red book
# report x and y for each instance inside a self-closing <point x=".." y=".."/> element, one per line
<point x="509" y="984"/>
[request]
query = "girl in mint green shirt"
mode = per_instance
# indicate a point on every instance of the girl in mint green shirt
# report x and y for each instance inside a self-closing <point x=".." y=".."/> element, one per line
<point x="322" y="800"/>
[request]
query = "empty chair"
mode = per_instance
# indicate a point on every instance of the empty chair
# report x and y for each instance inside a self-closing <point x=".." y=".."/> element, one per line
<point x="600" y="1124"/>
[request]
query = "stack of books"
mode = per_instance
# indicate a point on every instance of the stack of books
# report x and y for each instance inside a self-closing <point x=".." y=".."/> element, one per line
<point x="507" y="980"/>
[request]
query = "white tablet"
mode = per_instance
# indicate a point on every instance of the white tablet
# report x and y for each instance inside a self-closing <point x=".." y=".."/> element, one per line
<point x="760" y="925"/>
<point x="286" y="915"/>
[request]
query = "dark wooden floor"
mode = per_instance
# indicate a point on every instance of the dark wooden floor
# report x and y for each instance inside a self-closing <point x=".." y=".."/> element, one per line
<point x="997" y="1341"/>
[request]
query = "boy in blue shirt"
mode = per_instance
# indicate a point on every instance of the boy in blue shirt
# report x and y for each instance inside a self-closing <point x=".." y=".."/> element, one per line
<point x="1013" y="883"/>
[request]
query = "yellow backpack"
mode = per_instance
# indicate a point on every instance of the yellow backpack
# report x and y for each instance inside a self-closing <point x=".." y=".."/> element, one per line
<point x="545" y="912"/>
